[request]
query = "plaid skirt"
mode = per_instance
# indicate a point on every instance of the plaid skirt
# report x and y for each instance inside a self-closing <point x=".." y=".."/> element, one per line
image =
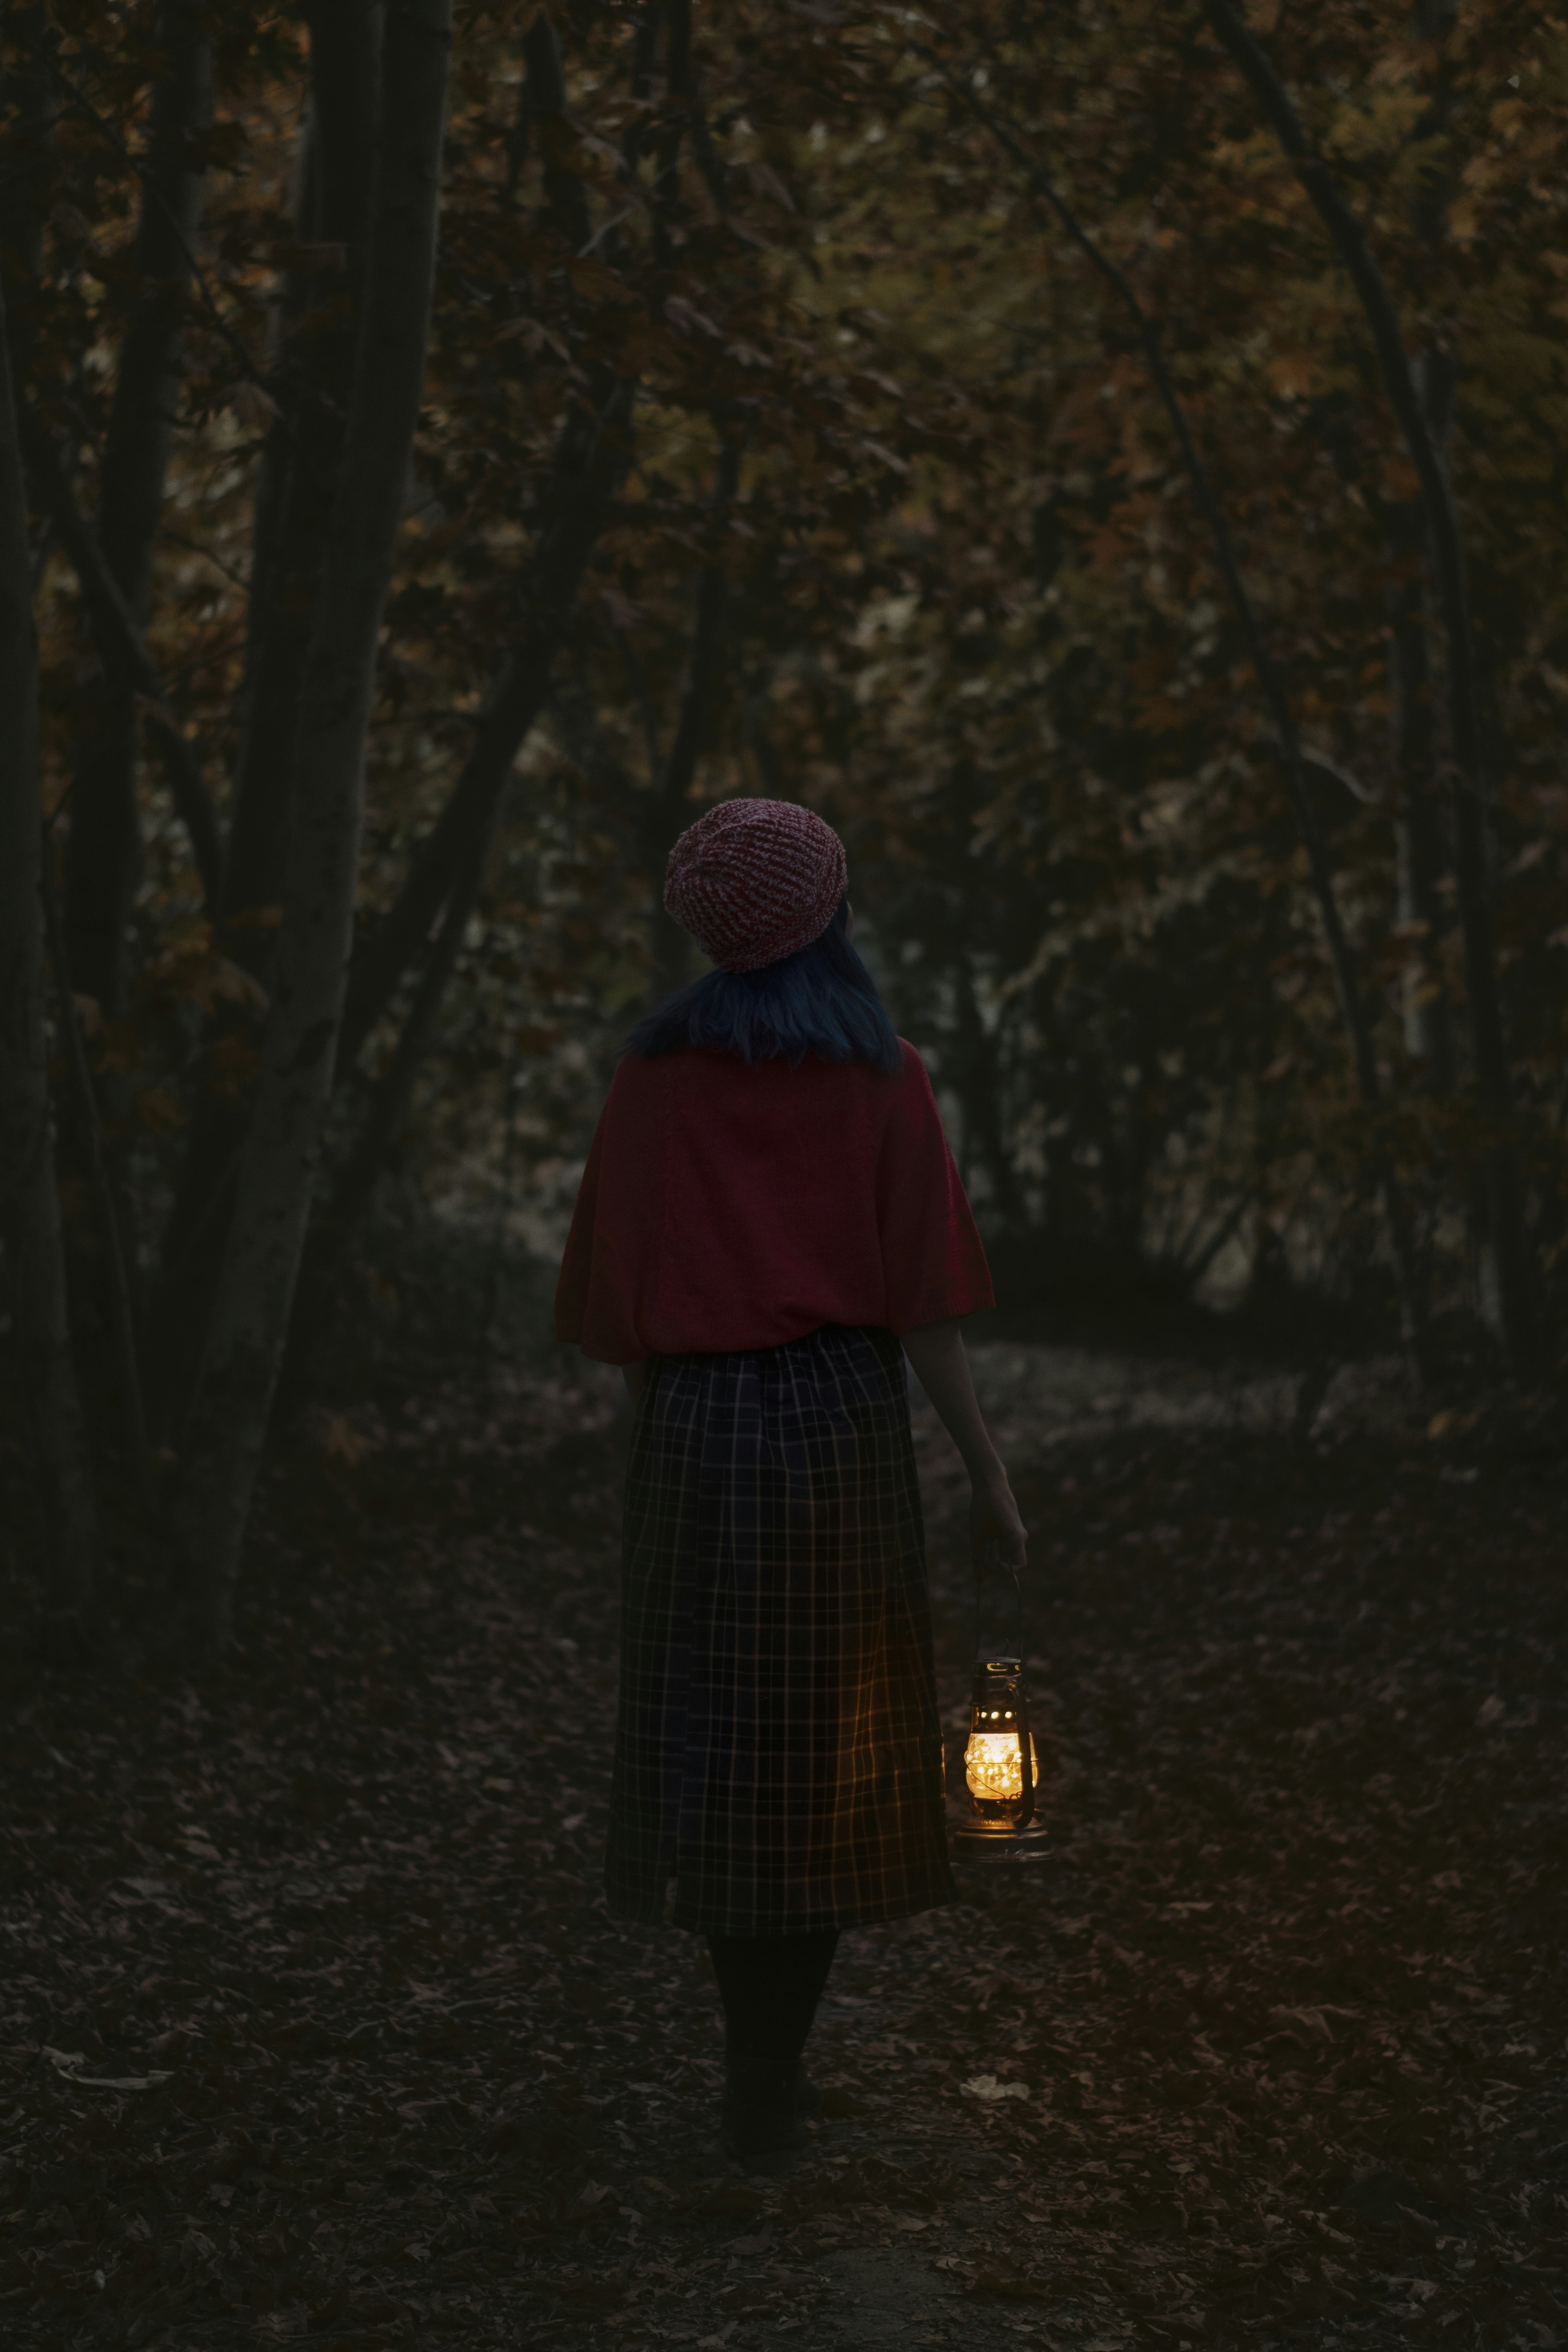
<point x="778" y="1752"/>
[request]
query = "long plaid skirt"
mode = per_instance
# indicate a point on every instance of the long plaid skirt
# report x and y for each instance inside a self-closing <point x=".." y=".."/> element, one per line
<point x="778" y="1754"/>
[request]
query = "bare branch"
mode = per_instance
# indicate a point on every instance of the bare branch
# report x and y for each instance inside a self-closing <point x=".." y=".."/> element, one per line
<point x="1341" y="961"/>
<point x="122" y="650"/>
<point x="1488" y="1044"/>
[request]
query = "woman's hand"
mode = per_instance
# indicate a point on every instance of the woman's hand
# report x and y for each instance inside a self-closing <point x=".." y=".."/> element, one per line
<point x="996" y="1531"/>
<point x="997" y="1538"/>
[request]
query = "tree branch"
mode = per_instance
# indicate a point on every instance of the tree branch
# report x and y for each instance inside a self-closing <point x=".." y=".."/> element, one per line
<point x="1489" y="1045"/>
<point x="591" y="459"/>
<point x="392" y="1092"/>
<point x="1342" y="962"/>
<point x="123" y="652"/>
<point x="85" y="1102"/>
<point x="248" y="367"/>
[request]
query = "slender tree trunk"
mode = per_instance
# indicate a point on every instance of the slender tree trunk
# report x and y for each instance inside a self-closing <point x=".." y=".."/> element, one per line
<point x="978" y="1080"/>
<point x="123" y="649"/>
<point x="391" y="1100"/>
<point x="1489" y="1047"/>
<point x="27" y="96"/>
<point x="666" y="809"/>
<point x="117" y="632"/>
<point x="591" y="459"/>
<point x="590" y="463"/>
<point x="759" y="740"/>
<point x="103" y="860"/>
<point x="1418" y="856"/>
<point x="312" y="383"/>
<point x="1417" y="850"/>
<point x="312" y="380"/>
<point x="29" y="1203"/>
<point x="255" y="1294"/>
<point x="120" y="1294"/>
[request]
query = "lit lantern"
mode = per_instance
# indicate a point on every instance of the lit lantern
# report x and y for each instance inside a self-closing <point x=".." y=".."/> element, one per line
<point x="1001" y="1767"/>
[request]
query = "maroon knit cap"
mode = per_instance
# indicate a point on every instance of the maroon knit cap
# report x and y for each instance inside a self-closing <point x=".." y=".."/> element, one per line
<point x="755" y="880"/>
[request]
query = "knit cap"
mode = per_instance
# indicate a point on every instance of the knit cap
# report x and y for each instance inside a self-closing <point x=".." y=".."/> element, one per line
<point x="755" y="880"/>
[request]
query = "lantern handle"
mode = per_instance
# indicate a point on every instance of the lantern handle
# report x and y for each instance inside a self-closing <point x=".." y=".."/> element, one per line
<point x="1026" y="1729"/>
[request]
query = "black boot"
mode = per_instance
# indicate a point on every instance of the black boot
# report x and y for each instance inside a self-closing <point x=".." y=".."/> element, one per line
<point x="807" y="2097"/>
<point x="762" y="2108"/>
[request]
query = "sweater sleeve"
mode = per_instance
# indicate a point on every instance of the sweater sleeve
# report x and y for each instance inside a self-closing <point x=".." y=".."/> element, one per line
<point x="933" y="1265"/>
<point x="611" y="1262"/>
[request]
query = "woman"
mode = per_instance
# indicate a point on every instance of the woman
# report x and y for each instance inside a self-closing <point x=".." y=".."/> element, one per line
<point x="770" y="1221"/>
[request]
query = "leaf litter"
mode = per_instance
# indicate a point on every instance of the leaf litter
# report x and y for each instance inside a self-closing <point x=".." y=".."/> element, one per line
<point x="316" y="2029"/>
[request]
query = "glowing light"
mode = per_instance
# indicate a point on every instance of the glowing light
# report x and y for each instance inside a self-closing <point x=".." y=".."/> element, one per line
<point x="992" y="1766"/>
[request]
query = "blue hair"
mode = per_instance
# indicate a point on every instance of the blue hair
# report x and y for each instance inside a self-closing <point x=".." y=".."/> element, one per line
<point x="822" y="1000"/>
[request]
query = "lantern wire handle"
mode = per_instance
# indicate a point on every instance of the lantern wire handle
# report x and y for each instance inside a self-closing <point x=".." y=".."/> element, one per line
<point x="1026" y="1762"/>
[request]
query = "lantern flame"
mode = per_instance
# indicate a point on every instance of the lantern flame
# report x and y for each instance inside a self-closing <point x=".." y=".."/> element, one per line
<point x="992" y="1766"/>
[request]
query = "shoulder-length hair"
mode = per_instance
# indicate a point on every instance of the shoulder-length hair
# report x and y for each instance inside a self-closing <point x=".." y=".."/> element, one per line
<point x="822" y="1000"/>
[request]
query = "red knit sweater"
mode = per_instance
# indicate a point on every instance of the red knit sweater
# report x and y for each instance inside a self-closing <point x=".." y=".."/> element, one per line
<point x="724" y="1207"/>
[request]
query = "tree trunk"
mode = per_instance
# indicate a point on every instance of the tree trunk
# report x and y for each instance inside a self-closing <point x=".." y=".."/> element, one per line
<point x="29" y="1203"/>
<point x="228" y="1426"/>
<point x="666" y="809"/>
<point x="1511" y="1251"/>
<point x="1418" y="849"/>
<point x="588" y="467"/>
<point x="391" y="1100"/>
<point x="590" y="462"/>
<point x="591" y="459"/>
<point x="28" y="96"/>
<point x="123" y="649"/>
<point x="312" y="381"/>
<point x="103" y="860"/>
<point x="111" y="1223"/>
<point x="977" y="1079"/>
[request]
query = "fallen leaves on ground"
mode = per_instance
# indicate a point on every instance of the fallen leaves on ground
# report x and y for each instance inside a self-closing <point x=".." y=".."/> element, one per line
<point x="316" y="2030"/>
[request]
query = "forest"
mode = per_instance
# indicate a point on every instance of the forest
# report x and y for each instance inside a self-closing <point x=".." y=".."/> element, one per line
<point x="1107" y="458"/>
<point x="1110" y="464"/>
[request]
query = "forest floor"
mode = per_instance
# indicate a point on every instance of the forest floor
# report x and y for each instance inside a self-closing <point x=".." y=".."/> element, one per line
<point x="314" y="2029"/>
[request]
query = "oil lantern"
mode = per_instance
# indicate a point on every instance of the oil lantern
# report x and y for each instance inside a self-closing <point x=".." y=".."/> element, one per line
<point x="1001" y="1767"/>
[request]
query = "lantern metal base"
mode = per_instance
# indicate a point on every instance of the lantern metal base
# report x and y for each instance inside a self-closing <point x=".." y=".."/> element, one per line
<point x="999" y="1841"/>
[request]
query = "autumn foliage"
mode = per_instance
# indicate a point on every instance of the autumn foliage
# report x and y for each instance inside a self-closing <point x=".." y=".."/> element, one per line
<point x="787" y="424"/>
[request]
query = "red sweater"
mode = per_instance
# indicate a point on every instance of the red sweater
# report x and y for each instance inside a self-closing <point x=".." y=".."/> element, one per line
<point x="724" y="1207"/>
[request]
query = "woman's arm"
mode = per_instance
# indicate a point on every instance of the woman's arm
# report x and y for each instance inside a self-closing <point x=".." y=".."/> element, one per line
<point x="942" y="1367"/>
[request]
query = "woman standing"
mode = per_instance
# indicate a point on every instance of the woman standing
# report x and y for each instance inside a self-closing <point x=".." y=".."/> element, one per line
<point x="770" y="1222"/>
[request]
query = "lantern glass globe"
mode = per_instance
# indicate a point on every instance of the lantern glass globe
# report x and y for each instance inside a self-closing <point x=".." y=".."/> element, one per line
<point x="992" y="1766"/>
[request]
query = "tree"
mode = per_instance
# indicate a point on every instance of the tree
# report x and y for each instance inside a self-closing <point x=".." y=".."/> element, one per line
<point x="311" y="385"/>
<point x="775" y="437"/>
<point x="249" y="1325"/>
<point x="104" y="848"/>
<point x="29" y="1203"/>
<point x="1489" y="1045"/>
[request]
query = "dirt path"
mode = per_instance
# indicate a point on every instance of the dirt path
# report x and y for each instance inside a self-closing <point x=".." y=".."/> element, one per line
<point x="1268" y="2052"/>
